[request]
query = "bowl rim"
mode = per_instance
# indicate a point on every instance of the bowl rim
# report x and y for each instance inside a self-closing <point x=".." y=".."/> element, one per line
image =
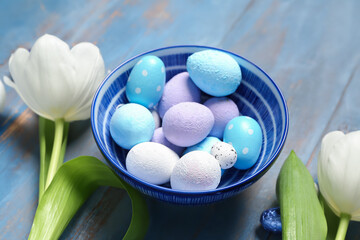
<point x="261" y="171"/>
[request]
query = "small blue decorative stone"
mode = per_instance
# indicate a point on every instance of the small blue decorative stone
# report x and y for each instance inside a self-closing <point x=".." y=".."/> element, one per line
<point x="271" y="220"/>
<point x="131" y="124"/>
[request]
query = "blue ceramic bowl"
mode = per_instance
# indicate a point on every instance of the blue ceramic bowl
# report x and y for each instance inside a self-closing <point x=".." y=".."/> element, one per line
<point x="257" y="97"/>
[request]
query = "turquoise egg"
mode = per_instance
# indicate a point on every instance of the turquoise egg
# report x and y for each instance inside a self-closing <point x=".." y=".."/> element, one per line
<point x="205" y="145"/>
<point x="245" y="135"/>
<point x="214" y="72"/>
<point x="131" y="124"/>
<point x="146" y="82"/>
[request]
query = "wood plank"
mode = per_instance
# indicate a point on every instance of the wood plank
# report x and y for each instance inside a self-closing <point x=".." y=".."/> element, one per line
<point x="17" y="187"/>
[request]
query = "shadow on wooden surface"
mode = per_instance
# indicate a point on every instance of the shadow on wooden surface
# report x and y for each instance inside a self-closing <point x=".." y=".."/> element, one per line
<point x="108" y="205"/>
<point x="78" y="129"/>
<point x="215" y="221"/>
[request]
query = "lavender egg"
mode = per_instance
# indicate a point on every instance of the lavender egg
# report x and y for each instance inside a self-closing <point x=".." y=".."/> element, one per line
<point x="187" y="124"/>
<point x="159" y="137"/>
<point x="179" y="89"/>
<point x="223" y="109"/>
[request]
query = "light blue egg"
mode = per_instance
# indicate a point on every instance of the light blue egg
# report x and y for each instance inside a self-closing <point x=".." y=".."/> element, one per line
<point x="245" y="135"/>
<point x="146" y="81"/>
<point x="205" y="145"/>
<point x="131" y="124"/>
<point x="214" y="72"/>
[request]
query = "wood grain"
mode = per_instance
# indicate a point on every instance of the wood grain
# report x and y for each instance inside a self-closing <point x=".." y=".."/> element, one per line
<point x="310" y="49"/>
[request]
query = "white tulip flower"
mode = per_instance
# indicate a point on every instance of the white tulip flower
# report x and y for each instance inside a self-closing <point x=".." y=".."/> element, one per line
<point x="57" y="82"/>
<point x="339" y="176"/>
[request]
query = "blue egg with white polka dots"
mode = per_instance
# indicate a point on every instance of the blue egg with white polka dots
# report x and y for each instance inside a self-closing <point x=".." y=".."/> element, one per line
<point x="245" y="135"/>
<point x="146" y="81"/>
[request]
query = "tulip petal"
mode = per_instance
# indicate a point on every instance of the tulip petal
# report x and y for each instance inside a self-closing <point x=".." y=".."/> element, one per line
<point x="324" y="176"/>
<point x="52" y="71"/>
<point x="90" y="71"/>
<point x="8" y="82"/>
<point x="17" y="66"/>
<point x="329" y="141"/>
<point x="351" y="176"/>
<point x="335" y="170"/>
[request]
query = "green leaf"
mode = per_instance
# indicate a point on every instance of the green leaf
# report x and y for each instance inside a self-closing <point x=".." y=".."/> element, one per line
<point x="46" y="140"/>
<point x="302" y="216"/>
<point x="72" y="185"/>
<point x="331" y="219"/>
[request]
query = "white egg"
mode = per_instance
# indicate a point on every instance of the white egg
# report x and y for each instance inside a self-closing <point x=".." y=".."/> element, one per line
<point x="225" y="154"/>
<point x="195" y="172"/>
<point x="157" y="119"/>
<point x="151" y="162"/>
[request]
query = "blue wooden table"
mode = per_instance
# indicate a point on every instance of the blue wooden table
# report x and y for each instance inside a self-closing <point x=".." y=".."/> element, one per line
<point x="310" y="48"/>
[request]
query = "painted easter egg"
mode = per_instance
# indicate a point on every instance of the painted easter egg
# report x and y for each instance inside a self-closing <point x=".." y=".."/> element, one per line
<point x="225" y="154"/>
<point x="157" y="118"/>
<point x="204" y="145"/>
<point x="131" y="124"/>
<point x="187" y="124"/>
<point x="146" y="82"/>
<point x="245" y="135"/>
<point x="159" y="137"/>
<point x="214" y="72"/>
<point x="151" y="162"/>
<point x="179" y="88"/>
<point x="223" y="109"/>
<point x="196" y="171"/>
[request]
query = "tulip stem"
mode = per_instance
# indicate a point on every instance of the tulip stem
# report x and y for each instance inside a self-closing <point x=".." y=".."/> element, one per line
<point x="343" y="226"/>
<point x="55" y="160"/>
<point x="44" y="164"/>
